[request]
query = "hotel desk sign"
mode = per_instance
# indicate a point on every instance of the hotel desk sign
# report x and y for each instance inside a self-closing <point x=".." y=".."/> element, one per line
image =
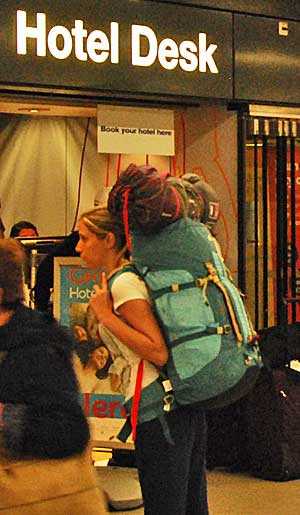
<point x="117" y="46"/>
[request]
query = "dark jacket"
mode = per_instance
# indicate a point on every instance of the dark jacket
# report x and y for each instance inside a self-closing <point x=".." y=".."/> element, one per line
<point x="42" y="415"/>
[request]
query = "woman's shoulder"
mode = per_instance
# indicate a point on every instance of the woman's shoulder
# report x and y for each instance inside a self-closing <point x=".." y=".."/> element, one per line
<point x="128" y="286"/>
<point x="128" y="278"/>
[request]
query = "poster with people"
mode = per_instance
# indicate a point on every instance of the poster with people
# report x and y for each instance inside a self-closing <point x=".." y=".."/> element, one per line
<point x="97" y="373"/>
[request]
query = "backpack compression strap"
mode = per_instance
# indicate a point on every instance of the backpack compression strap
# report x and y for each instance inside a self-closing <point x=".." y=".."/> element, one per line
<point x="214" y="277"/>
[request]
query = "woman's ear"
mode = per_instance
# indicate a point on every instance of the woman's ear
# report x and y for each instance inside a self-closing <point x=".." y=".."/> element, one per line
<point x="110" y="240"/>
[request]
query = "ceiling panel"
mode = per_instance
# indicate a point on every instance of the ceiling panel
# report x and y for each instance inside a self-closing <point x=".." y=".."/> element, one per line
<point x="44" y="109"/>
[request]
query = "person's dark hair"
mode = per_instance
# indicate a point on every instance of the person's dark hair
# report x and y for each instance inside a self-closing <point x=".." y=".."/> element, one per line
<point x="142" y="196"/>
<point x="23" y="224"/>
<point x="12" y="261"/>
<point x="85" y="349"/>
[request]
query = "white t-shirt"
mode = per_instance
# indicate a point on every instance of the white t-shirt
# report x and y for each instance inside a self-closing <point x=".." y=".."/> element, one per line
<point x="127" y="286"/>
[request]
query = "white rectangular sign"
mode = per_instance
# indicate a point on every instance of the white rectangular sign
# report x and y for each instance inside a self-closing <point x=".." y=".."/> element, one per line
<point x="135" y="131"/>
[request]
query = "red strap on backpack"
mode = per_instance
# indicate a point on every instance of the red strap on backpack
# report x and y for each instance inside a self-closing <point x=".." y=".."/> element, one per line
<point x="136" y="398"/>
<point x="178" y="202"/>
<point x="126" y="219"/>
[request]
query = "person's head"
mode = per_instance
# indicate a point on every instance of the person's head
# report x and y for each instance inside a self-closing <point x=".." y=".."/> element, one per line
<point x="99" y="357"/>
<point x="94" y="356"/>
<point x="12" y="261"/>
<point x="23" y="229"/>
<point x="208" y="199"/>
<point x="101" y="238"/>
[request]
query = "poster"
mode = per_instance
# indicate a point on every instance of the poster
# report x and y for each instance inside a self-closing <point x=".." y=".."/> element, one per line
<point x="100" y="398"/>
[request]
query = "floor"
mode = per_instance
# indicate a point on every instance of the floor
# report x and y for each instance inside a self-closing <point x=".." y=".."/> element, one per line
<point x="241" y="494"/>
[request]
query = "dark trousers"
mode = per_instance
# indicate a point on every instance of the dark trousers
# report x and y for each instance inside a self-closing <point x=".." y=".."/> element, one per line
<point x="172" y="470"/>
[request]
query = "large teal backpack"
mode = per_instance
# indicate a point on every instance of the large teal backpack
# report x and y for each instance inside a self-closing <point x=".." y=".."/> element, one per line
<point x="213" y="354"/>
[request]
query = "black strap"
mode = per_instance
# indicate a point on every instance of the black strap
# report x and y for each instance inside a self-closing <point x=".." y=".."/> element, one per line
<point x="125" y="430"/>
<point x="225" y="329"/>
<point x="174" y="288"/>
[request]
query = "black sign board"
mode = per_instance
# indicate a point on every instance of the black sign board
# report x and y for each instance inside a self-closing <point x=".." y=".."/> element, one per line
<point x="267" y="59"/>
<point x="118" y="46"/>
<point x="285" y="9"/>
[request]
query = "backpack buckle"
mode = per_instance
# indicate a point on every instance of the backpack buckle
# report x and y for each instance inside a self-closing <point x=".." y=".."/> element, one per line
<point x="227" y="329"/>
<point x="168" y="401"/>
<point x="167" y="385"/>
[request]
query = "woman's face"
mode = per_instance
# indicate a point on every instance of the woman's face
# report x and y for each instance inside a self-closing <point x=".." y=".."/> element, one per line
<point x="99" y="357"/>
<point x="27" y="232"/>
<point x="92" y="249"/>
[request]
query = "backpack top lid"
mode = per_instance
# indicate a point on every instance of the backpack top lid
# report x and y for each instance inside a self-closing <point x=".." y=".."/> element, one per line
<point x="146" y="200"/>
<point x="209" y="204"/>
